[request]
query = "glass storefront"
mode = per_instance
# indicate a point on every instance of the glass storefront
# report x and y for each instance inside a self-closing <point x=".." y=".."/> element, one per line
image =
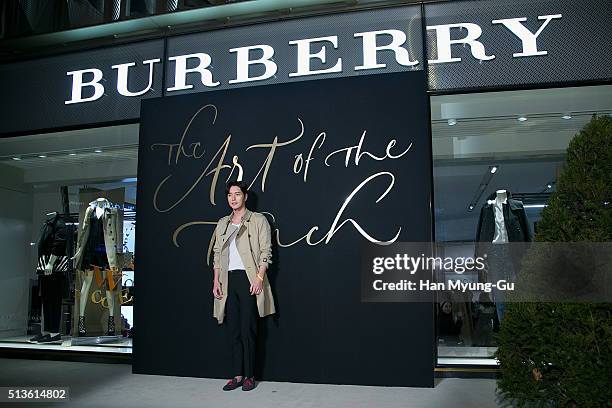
<point x="482" y="143"/>
<point x="485" y="144"/>
<point x="67" y="197"/>
<point x="48" y="183"/>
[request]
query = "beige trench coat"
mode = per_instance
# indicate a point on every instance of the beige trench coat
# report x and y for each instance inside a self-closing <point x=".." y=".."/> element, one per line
<point x="254" y="243"/>
<point x="111" y="228"/>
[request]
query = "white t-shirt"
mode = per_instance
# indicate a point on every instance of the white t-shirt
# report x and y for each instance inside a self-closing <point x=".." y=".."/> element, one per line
<point x="501" y="235"/>
<point x="235" y="262"/>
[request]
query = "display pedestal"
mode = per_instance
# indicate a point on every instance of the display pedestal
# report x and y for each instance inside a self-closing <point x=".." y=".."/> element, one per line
<point x="93" y="340"/>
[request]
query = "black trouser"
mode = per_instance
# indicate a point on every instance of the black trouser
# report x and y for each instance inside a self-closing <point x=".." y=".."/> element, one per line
<point x="241" y="316"/>
<point x="51" y="290"/>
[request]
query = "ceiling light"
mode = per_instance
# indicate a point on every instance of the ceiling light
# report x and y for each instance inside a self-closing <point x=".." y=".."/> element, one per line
<point x="522" y="118"/>
<point x="549" y="186"/>
<point x="98" y="151"/>
<point x="567" y="116"/>
<point x="16" y="158"/>
<point x="42" y="156"/>
<point x="486" y="179"/>
<point x="452" y="122"/>
<point x="71" y="154"/>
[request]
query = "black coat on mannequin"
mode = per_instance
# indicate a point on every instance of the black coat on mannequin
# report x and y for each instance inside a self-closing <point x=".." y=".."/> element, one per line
<point x="515" y="220"/>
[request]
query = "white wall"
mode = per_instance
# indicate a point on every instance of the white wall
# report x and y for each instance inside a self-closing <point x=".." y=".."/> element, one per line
<point x="15" y="251"/>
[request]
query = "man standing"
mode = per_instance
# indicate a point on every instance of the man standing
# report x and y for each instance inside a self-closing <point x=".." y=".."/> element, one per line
<point x="242" y="253"/>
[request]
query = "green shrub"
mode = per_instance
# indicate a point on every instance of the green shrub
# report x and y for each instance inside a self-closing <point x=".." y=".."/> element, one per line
<point x="560" y="354"/>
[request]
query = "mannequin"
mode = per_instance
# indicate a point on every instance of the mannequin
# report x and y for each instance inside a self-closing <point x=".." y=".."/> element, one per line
<point x="515" y="226"/>
<point x="46" y="336"/>
<point x="502" y="220"/>
<point x="52" y="253"/>
<point x="96" y="257"/>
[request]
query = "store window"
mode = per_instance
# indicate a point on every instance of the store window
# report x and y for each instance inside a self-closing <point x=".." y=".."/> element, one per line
<point x="488" y="148"/>
<point x="141" y="8"/>
<point x="67" y="229"/>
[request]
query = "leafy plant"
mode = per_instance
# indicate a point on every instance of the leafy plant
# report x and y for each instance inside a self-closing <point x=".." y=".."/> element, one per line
<point x="560" y="354"/>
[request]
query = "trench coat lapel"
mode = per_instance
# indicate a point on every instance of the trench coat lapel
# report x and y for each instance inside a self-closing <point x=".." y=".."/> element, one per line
<point x="245" y="222"/>
<point x="230" y="229"/>
<point x="227" y="237"/>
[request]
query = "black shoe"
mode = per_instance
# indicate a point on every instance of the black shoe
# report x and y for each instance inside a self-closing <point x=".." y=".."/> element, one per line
<point x="248" y="384"/>
<point x="37" y="338"/>
<point x="233" y="384"/>
<point x="47" y="338"/>
<point x="44" y="339"/>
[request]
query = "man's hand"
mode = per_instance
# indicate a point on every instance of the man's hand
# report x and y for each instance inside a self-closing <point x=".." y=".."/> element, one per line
<point x="256" y="287"/>
<point x="217" y="292"/>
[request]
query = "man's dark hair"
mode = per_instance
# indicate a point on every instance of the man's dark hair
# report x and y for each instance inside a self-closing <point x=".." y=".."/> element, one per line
<point x="242" y="186"/>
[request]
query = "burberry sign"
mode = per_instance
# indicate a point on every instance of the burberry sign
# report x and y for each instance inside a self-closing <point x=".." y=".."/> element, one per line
<point x="313" y="56"/>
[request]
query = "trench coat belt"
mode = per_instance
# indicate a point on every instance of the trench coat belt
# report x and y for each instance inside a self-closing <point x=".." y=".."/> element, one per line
<point x="237" y="270"/>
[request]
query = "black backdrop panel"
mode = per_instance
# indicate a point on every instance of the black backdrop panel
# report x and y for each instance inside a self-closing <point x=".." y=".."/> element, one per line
<point x="321" y="333"/>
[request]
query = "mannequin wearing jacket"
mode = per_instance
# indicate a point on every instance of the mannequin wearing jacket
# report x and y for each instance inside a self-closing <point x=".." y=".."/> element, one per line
<point x="96" y="256"/>
<point x="52" y="255"/>
<point x="515" y="220"/>
<point x="502" y="220"/>
<point x="242" y="252"/>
